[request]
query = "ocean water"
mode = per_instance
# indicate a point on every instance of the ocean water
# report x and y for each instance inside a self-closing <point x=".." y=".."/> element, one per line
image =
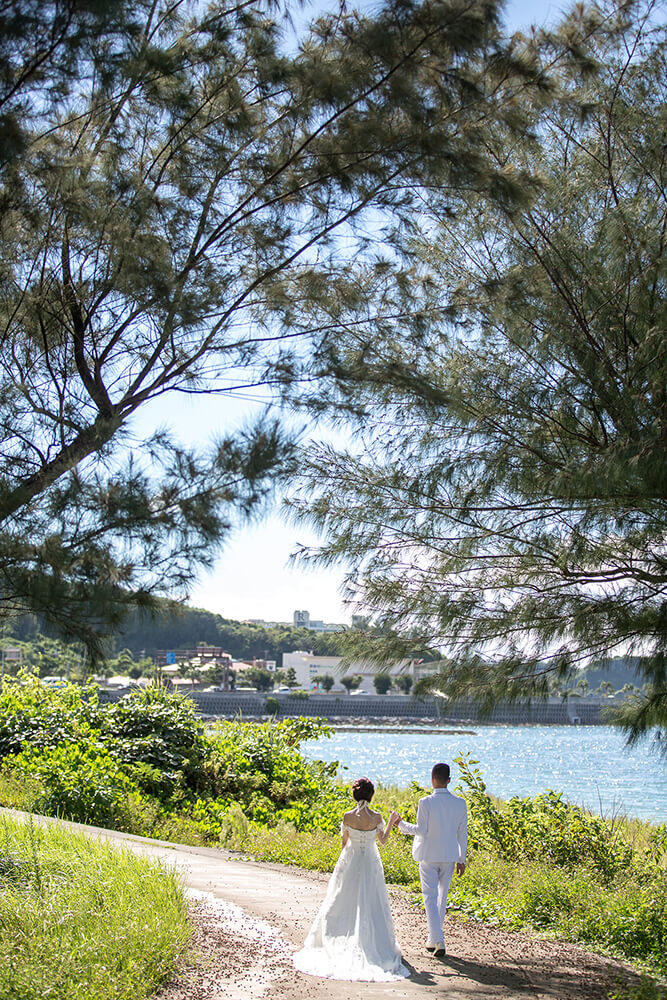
<point x="588" y="764"/>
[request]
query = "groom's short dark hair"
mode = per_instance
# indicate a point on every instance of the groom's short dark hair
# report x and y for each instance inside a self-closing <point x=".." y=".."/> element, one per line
<point x="440" y="773"/>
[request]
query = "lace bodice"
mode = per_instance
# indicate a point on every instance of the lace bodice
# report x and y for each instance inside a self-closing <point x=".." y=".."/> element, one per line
<point x="361" y="839"/>
<point x="362" y="836"/>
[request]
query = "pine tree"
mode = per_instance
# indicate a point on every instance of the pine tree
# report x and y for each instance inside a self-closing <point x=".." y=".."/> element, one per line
<point x="192" y="205"/>
<point x="511" y="503"/>
<point x="42" y="46"/>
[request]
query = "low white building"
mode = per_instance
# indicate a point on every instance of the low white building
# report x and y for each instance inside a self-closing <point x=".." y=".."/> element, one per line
<point x="307" y="666"/>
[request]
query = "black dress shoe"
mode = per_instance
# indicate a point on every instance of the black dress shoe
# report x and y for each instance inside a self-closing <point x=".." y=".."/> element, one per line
<point x="430" y="947"/>
<point x="440" y="951"/>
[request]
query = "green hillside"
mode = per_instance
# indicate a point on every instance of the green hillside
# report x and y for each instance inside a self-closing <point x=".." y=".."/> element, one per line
<point x="182" y="627"/>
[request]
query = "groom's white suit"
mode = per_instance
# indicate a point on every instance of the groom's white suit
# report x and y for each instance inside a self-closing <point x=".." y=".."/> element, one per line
<point x="441" y="841"/>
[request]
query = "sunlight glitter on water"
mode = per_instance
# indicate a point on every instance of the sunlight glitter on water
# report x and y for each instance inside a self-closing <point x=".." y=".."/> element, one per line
<point x="589" y="765"/>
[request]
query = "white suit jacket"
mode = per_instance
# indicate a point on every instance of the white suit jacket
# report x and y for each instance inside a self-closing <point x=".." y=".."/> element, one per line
<point x="441" y="830"/>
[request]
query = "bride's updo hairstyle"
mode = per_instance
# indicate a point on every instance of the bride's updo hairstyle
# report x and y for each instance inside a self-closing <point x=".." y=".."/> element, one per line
<point x="363" y="790"/>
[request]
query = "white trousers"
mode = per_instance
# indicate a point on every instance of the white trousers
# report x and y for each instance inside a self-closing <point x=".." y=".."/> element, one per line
<point x="435" y="878"/>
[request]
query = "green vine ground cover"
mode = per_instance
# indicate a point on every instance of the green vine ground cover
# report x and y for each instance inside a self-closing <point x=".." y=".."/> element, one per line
<point x="147" y="765"/>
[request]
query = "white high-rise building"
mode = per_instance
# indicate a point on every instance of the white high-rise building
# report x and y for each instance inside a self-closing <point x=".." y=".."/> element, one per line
<point x="302" y="619"/>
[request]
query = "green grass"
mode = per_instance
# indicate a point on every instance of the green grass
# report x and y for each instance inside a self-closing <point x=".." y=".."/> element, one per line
<point x="625" y="916"/>
<point x="317" y="850"/>
<point x="18" y="791"/>
<point x="82" y="920"/>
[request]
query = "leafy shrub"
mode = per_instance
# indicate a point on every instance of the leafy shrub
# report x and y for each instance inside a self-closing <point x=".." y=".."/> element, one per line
<point x="272" y="706"/>
<point x="625" y="916"/>
<point x="78" y="783"/>
<point x="543" y="828"/>
<point x="154" y="734"/>
<point x="258" y="767"/>
<point x="159" y="729"/>
<point x="146" y="765"/>
<point x="151" y="779"/>
<point x="36" y="716"/>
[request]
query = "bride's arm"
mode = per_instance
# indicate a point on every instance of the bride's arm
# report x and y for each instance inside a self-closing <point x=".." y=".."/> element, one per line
<point x="383" y="835"/>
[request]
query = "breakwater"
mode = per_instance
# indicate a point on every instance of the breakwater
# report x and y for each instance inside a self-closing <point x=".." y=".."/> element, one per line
<point x="228" y="704"/>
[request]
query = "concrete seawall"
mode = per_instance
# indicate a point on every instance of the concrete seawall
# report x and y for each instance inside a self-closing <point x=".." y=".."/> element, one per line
<point x="228" y="704"/>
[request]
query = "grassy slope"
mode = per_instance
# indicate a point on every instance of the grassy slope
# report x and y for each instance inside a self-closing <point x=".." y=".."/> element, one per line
<point x="81" y="920"/>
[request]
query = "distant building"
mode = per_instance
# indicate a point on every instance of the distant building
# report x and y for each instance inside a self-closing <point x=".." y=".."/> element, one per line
<point x="302" y="619"/>
<point x="198" y="655"/>
<point x="307" y="666"/>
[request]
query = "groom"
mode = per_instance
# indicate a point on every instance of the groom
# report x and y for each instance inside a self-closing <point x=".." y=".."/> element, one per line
<point x="441" y="839"/>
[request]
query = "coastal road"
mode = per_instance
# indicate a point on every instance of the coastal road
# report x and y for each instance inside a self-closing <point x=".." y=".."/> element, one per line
<point x="251" y="916"/>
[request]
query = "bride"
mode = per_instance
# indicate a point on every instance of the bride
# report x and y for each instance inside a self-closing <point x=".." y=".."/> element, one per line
<point x="353" y="936"/>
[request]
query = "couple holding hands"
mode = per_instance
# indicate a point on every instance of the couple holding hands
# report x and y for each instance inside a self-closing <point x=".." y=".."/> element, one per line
<point x="353" y="936"/>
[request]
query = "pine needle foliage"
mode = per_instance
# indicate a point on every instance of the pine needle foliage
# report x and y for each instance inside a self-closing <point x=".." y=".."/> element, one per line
<point x="193" y="203"/>
<point x="508" y="498"/>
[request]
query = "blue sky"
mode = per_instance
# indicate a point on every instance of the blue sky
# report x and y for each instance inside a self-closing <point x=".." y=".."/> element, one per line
<point x="251" y="577"/>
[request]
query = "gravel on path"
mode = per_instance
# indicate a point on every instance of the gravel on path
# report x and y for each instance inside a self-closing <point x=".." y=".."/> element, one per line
<point x="483" y="963"/>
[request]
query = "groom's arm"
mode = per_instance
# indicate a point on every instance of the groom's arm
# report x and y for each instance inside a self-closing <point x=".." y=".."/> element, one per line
<point x="420" y="826"/>
<point x="462" y="838"/>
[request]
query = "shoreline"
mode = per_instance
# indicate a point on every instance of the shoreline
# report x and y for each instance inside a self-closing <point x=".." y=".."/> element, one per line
<point x="432" y="730"/>
<point x="362" y="725"/>
<point x="385" y="723"/>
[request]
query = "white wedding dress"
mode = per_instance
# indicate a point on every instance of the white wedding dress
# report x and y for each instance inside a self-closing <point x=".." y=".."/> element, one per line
<point x="353" y="937"/>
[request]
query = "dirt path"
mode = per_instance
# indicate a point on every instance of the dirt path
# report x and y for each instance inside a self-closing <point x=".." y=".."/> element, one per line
<point x="251" y="916"/>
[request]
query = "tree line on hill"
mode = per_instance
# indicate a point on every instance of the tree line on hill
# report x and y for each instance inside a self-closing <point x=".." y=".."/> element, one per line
<point x="182" y="627"/>
<point x="185" y="628"/>
<point x="132" y="652"/>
